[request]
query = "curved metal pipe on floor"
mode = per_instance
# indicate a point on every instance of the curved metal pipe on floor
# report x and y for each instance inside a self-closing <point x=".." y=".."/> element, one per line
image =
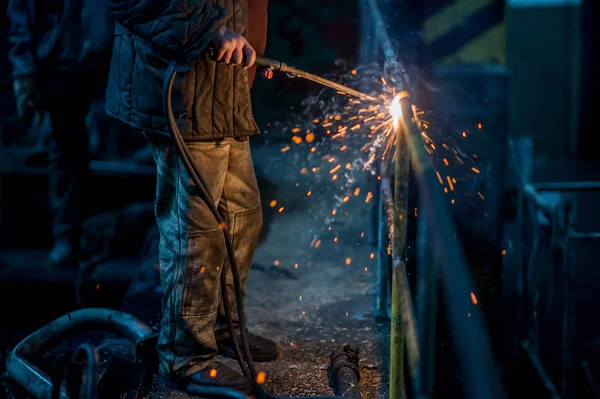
<point x="20" y="366"/>
<point x="346" y="372"/>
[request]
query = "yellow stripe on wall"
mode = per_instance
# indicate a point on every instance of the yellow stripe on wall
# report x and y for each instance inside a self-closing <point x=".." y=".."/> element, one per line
<point x="450" y="17"/>
<point x="487" y="48"/>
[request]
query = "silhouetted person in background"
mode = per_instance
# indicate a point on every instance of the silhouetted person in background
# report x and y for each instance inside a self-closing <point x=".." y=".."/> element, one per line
<point x="60" y="52"/>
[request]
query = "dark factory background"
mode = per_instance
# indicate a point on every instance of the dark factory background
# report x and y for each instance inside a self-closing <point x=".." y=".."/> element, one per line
<point x="525" y="71"/>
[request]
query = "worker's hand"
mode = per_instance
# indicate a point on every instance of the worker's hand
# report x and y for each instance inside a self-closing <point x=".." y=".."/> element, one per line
<point x="231" y="48"/>
<point x="28" y="99"/>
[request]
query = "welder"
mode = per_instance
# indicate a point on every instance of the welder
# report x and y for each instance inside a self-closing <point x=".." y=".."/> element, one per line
<point x="213" y="111"/>
<point x="60" y="53"/>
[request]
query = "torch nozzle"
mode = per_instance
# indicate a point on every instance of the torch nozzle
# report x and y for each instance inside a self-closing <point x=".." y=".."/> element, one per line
<point x="283" y="67"/>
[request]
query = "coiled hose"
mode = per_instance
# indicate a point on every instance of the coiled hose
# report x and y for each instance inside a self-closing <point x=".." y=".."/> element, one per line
<point x="248" y="367"/>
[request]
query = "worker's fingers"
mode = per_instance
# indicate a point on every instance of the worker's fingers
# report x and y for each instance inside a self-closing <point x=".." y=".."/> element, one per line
<point x="227" y="56"/>
<point x="220" y="53"/>
<point x="237" y="56"/>
<point x="249" y="56"/>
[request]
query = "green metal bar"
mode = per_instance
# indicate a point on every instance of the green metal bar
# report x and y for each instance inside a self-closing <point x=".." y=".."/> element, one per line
<point x="383" y="257"/>
<point x="398" y="329"/>
<point x="406" y="305"/>
<point x="411" y="346"/>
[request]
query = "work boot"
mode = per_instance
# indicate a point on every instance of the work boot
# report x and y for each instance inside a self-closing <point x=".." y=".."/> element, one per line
<point x="62" y="254"/>
<point x="215" y="375"/>
<point x="262" y="349"/>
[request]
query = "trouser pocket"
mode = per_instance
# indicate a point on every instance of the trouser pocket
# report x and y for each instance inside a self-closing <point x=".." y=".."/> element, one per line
<point x="204" y="263"/>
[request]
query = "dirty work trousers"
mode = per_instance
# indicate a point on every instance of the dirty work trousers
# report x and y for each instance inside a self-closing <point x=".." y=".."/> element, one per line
<point x="192" y="247"/>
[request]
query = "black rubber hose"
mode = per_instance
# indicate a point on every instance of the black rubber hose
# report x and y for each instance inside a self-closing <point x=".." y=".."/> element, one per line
<point x="248" y="367"/>
<point x="88" y="355"/>
<point x="196" y="176"/>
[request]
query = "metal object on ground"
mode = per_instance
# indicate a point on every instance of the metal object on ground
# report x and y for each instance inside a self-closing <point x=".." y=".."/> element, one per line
<point x="293" y="72"/>
<point x="21" y="367"/>
<point x="346" y="372"/>
<point x="88" y="356"/>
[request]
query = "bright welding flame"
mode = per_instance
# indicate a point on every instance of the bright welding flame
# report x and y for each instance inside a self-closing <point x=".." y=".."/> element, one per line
<point x="396" y="109"/>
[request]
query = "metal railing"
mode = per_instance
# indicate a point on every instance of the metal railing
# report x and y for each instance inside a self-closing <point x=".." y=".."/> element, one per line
<point x="557" y="238"/>
<point x="440" y="260"/>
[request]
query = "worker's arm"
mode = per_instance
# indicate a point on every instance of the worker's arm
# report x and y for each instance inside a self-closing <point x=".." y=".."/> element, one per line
<point x="178" y="29"/>
<point x="22" y="50"/>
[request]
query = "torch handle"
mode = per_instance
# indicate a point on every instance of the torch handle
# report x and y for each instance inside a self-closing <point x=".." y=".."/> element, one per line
<point x="271" y="64"/>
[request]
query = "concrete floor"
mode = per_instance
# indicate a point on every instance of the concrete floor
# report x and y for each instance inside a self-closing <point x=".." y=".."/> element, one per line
<point x="313" y="299"/>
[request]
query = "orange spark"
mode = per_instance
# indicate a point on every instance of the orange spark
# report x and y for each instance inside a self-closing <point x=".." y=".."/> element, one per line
<point x="439" y="177"/>
<point x="261" y="377"/>
<point x="450" y="183"/>
<point x="474" y="299"/>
